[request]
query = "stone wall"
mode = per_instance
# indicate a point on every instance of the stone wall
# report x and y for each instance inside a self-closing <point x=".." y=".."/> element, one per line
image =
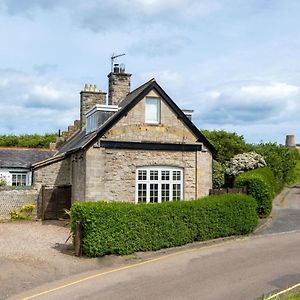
<point x="78" y="170"/>
<point x="132" y="127"/>
<point x="111" y="173"/>
<point x="58" y="173"/>
<point x="14" y="198"/>
<point x="204" y="173"/>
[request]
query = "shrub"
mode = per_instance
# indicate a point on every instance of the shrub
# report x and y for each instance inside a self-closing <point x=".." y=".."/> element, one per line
<point x="23" y="213"/>
<point x="261" y="186"/>
<point x="281" y="160"/>
<point x="3" y="181"/>
<point x="244" y="162"/>
<point x="218" y="175"/>
<point x="227" y="144"/>
<point x="124" y="228"/>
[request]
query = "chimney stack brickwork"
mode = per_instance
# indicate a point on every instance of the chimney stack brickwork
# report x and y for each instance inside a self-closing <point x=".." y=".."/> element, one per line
<point x="89" y="97"/>
<point x="118" y="87"/>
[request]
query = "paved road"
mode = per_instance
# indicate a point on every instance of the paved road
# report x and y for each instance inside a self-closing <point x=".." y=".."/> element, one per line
<point x="242" y="269"/>
<point x="286" y="211"/>
<point x="237" y="269"/>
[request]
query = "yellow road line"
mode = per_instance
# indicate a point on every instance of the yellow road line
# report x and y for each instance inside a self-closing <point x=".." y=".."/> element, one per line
<point x="284" y="291"/>
<point x="119" y="269"/>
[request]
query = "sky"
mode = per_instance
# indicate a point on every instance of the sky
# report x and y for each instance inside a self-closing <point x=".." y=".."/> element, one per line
<point x="235" y="62"/>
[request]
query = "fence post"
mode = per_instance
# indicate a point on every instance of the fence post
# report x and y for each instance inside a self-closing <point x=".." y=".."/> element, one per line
<point x="78" y="239"/>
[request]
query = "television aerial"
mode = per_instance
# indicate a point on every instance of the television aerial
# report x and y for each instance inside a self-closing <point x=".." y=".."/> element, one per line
<point x="113" y="57"/>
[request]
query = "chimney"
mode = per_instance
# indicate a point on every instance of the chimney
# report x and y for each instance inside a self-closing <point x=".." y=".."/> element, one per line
<point x="89" y="97"/>
<point x="118" y="84"/>
<point x="188" y="113"/>
<point x="290" y="141"/>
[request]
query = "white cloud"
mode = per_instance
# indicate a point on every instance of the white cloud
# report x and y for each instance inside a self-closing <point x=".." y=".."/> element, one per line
<point x="169" y="80"/>
<point x="31" y="103"/>
<point x="242" y="103"/>
<point x="104" y="15"/>
<point x="46" y="92"/>
<point x="162" y="46"/>
<point x="273" y="90"/>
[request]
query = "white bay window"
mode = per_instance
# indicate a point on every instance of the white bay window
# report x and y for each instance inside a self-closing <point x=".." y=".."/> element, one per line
<point x="156" y="184"/>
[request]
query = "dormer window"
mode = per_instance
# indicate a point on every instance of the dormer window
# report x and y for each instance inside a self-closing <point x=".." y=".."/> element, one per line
<point x="152" y="110"/>
<point x="91" y="123"/>
<point x="98" y="115"/>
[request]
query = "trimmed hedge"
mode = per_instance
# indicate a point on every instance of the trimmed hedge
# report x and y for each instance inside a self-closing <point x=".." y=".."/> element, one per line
<point x="124" y="228"/>
<point x="261" y="185"/>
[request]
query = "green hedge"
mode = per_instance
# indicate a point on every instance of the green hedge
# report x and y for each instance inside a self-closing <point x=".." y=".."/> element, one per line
<point x="261" y="186"/>
<point x="123" y="228"/>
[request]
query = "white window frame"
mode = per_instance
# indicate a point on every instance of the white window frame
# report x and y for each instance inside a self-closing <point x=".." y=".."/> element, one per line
<point x="149" y="180"/>
<point x="152" y="120"/>
<point x="19" y="176"/>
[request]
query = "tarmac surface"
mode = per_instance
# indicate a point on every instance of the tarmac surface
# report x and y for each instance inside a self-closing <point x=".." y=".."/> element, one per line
<point x="35" y="263"/>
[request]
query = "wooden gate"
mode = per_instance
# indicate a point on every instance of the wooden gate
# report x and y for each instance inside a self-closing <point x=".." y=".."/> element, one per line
<point x="55" y="200"/>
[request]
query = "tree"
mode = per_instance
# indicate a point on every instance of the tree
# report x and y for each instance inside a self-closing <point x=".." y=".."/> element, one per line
<point x="27" y="140"/>
<point x="228" y="144"/>
<point x="280" y="159"/>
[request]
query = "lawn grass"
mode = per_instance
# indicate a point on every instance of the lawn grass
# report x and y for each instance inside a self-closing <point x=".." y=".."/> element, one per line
<point x="297" y="172"/>
<point x="293" y="297"/>
<point x="290" y="295"/>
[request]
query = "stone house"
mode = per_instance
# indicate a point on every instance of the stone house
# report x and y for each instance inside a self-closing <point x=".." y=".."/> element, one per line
<point x="15" y="164"/>
<point x="135" y="146"/>
<point x="16" y="175"/>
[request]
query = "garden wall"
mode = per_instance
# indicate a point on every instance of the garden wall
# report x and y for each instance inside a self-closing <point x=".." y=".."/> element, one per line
<point x="13" y="198"/>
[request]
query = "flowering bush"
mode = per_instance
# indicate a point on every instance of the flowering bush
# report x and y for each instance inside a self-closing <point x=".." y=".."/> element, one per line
<point x="244" y="162"/>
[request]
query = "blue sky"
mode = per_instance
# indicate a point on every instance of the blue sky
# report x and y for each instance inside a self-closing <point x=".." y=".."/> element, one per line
<point x="236" y="63"/>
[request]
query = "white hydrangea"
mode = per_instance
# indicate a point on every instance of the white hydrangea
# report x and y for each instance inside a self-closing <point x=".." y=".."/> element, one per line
<point x="244" y="162"/>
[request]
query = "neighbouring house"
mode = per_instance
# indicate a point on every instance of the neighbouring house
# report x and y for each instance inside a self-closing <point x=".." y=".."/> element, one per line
<point x="15" y="164"/>
<point x="136" y="146"/>
<point x="16" y="187"/>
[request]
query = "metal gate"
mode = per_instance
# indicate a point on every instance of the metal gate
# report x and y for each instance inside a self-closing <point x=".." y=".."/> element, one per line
<point x="55" y="200"/>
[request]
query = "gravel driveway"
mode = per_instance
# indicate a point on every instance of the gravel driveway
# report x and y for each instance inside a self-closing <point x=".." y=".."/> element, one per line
<point x="33" y="253"/>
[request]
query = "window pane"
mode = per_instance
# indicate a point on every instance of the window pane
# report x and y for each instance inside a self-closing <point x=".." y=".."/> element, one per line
<point x="152" y="110"/>
<point x="23" y="179"/>
<point x="153" y="175"/>
<point x="14" y="180"/>
<point x="165" y="175"/>
<point x="165" y="192"/>
<point x="153" y="193"/>
<point x="142" y="175"/>
<point x="142" y="192"/>
<point x="176" y="175"/>
<point x="176" y="191"/>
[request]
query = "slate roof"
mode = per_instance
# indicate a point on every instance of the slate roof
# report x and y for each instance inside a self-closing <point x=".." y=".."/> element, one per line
<point x="22" y="157"/>
<point x="81" y="140"/>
